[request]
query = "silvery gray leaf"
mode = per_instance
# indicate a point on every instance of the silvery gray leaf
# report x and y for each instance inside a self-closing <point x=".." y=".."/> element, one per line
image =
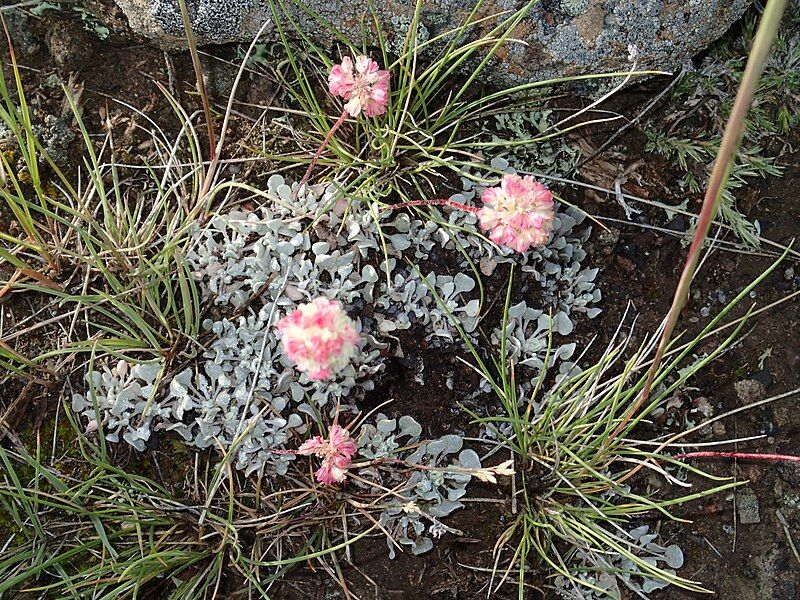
<point x="148" y="372"/>
<point x="651" y="585"/>
<point x="409" y="427"/>
<point x="386" y="426"/>
<point x="400" y="242"/>
<point x="443" y="509"/>
<point x="673" y="556"/>
<point x="320" y="247"/>
<point x="422" y="546"/>
<point x="472" y="308"/>
<point x="562" y="324"/>
<point x="499" y="163"/>
<point x="469" y="459"/>
<point x="645" y="540"/>
<point x="463" y="283"/>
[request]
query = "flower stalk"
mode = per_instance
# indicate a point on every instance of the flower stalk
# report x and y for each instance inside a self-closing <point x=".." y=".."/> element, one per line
<point x="740" y="456"/>
<point x="434" y="202"/>
<point x="518" y="213"/>
<point x="365" y="87"/>
<point x="320" y="150"/>
<point x="728" y="150"/>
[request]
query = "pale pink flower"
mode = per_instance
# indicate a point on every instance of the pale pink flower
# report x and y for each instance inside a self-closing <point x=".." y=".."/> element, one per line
<point x="518" y="213"/>
<point x="336" y="453"/>
<point x="364" y="85"/>
<point x="319" y="338"/>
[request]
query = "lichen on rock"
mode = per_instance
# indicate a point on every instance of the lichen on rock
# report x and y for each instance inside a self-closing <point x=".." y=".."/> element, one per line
<point x="561" y="37"/>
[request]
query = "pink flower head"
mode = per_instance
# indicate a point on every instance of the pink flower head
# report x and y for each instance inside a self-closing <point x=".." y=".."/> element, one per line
<point x="336" y="453"/>
<point x="319" y="338"/>
<point x="364" y="85"/>
<point x="518" y="214"/>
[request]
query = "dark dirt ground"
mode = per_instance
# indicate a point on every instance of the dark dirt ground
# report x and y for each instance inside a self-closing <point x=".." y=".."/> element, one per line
<point x="750" y="561"/>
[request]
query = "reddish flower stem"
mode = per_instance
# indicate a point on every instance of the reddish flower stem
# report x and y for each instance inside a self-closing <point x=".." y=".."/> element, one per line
<point x="435" y="202"/>
<point x="741" y="456"/>
<point x="318" y="153"/>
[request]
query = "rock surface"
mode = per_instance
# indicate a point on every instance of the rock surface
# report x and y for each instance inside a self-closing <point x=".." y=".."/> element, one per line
<point x="69" y="44"/>
<point x="563" y="37"/>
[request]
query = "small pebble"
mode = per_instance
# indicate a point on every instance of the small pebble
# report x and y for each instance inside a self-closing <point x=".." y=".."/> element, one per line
<point x="625" y="264"/>
<point x="747" y="507"/>
<point x="488" y="265"/>
<point x="719" y="429"/>
<point x="750" y="390"/>
<point x="703" y="406"/>
<point x="764" y="377"/>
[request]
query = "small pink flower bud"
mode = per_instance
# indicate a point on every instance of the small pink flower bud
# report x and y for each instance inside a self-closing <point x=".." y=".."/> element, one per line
<point x="518" y="213"/>
<point x="319" y="338"/>
<point x="336" y="453"/>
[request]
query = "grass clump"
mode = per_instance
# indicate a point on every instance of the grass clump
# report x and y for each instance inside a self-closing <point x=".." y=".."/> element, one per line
<point x="109" y="250"/>
<point x="110" y="534"/>
<point x="433" y="132"/>
<point x="577" y="450"/>
<point x="82" y="527"/>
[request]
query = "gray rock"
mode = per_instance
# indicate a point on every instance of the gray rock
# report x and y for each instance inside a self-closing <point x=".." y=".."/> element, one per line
<point x="21" y="30"/>
<point x="563" y="37"/>
<point x="56" y="136"/>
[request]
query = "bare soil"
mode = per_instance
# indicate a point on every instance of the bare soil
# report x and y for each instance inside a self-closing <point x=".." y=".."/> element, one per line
<point x="747" y="561"/>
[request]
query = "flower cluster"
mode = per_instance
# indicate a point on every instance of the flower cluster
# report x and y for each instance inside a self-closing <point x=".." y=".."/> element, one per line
<point x="319" y="338"/>
<point x="518" y="213"/>
<point x="336" y="453"/>
<point x="363" y="84"/>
